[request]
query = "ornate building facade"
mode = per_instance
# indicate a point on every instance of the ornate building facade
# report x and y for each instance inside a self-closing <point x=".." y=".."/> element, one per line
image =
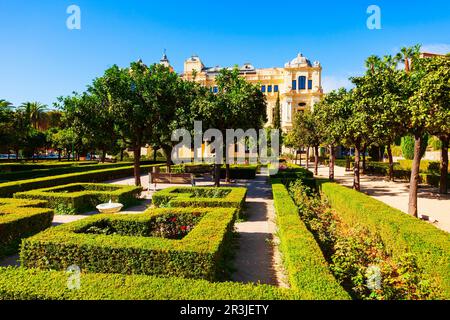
<point x="298" y="84"/>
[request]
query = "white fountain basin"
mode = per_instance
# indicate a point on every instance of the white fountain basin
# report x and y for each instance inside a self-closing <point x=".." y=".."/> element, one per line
<point x="110" y="207"/>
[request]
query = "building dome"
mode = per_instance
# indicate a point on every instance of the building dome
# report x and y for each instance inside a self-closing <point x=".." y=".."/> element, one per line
<point x="299" y="61"/>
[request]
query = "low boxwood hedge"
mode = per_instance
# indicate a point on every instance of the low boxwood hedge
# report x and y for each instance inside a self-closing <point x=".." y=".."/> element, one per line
<point x="48" y="172"/>
<point x="134" y="244"/>
<point x="77" y="198"/>
<point x="33" y="284"/>
<point x="20" y="219"/>
<point x="399" y="232"/>
<point x="307" y="268"/>
<point x="8" y="189"/>
<point x="201" y="197"/>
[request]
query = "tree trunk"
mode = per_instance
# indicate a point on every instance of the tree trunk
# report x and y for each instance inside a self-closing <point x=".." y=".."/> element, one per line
<point x="300" y="153"/>
<point x="443" y="185"/>
<point x="391" y="163"/>
<point x="121" y="154"/>
<point x="307" y="158"/>
<point x="155" y="155"/>
<point x="103" y="156"/>
<point x="331" y="165"/>
<point x="316" y="160"/>
<point x="364" y="164"/>
<point x="137" y="165"/>
<point x="356" y="176"/>
<point x="17" y="155"/>
<point x="217" y="169"/>
<point x="168" y="153"/>
<point x="414" y="183"/>
<point x="348" y="163"/>
<point x="227" y="173"/>
<point x="59" y="155"/>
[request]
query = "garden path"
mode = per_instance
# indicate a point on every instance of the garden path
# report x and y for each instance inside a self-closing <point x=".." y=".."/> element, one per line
<point x="396" y="195"/>
<point x="258" y="259"/>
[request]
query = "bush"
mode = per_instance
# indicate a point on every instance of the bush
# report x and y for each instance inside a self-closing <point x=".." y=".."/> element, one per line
<point x="307" y="268"/>
<point x="47" y="172"/>
<point x="400" y="233"/>
<point x="8" y="189"/>
<point x="79" y="198"/>
<point x="132" y="244"/>
<point x="200" y="197"/>
<point x="33" y="284"/>
<point x="358" y="256"/>
<point x="20" y="219"/>
<point x="407" y="145"/>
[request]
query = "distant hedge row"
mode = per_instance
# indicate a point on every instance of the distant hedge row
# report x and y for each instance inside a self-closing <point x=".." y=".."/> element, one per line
<point x="307" y="268"/>
<point x="20" y="219"/>
<point x="8" y="189"/>
<point x="48" y="172"/>
<point x="399" y="232"/>
<point x="77" y="198"/>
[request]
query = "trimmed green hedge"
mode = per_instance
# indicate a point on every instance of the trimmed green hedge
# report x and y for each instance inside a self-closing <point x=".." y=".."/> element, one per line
<point x="8" y="189"/>
<point x="78" y="198"/>
<point x="47" y="172"/>
<point x="132" y="247"/>
<point x="201" y="197"/>
<point x="20" y="219"/>
<point x="399" y="232"/>
<point x="32" y="284"/>
<point x="307" y="268"/>
<point x="245" y="172"/>
<point x="26" y="166"/>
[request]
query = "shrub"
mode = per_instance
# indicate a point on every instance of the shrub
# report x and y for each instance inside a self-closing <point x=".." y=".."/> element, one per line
<point x="132" y="244"/>
<point x="407" y="145"/>
<point x="78" y="198"/>
<point x="47" y="172"/>
<point x="201" y="197"/>
<point x="33" y="284"/>
<point x="10" y="188"/>
<point x="400" y="233"/>
<point x="307" y="268"/>
<point x="20" y="219"/>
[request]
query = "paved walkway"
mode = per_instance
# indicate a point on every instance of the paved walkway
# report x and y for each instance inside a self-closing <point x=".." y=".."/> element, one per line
<point x="396" y="194"/>
<point x="258" y="259"/>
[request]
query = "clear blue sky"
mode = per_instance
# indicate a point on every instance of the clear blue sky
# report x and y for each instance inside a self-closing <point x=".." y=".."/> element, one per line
<point x="40" y="59"/>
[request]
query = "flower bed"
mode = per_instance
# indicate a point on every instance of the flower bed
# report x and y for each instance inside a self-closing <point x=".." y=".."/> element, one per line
<point x="20" y="219"/>
<point x="79" y="198"/>
<point x="138" y="244"/>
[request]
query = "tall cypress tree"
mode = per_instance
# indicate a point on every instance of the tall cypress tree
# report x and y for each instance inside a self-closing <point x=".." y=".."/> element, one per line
<point x="277" y="114"/>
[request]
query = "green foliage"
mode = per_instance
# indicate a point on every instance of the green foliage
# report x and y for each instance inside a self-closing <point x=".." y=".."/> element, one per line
<point x="135" y="245"/>
<point x="20" y="219"/>
<point x="276" y="124"/>
<point x="32" y="284"/>
<point x="8" y="189"/>
<point x="201" y="197"/>
<point x="435" y="143"/>
<point x="308" y="270"/>
<point x="408" y="147"/>
<point x="79" y="198"/>
<point x="400" y="233"/>
<point x="354" y="251"/>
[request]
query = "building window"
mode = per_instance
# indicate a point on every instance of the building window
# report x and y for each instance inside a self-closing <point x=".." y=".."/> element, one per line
<point x="275" y="88"/>
<point x="215" y="89"/>
<point x="310" y="84"/>
<point x="294" y="84"/>
<point x="302" y="83"/>
<point x="263" y="88"/>
<point x="269" y="89"/>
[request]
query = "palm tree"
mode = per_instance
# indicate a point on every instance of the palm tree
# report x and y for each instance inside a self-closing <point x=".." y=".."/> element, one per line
<point x="372" y="63"/>
<point x="5" y="104"/>
<point x="35" y="112"/>
<point x="407" y="54"/>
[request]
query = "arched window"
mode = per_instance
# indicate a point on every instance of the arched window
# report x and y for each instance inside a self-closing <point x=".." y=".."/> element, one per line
<point x="302" y="82"/>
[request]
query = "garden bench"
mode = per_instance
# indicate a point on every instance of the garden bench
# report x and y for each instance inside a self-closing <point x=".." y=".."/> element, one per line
<point x="170" y="178"/>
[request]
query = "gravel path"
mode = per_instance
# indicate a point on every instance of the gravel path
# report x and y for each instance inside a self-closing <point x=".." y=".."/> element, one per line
<point x="396" y="195"/>
<point x="258" y="259"/>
